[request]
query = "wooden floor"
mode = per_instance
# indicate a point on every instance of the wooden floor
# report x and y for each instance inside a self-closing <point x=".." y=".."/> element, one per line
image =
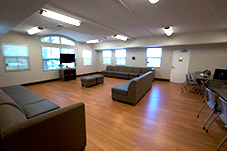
<point x="163" y="120"/>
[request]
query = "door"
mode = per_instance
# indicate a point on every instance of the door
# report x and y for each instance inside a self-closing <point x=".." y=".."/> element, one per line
<point x="180" y="63"/>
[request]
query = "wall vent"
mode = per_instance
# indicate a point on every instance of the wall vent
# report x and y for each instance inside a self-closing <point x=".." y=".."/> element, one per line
<point x="184" y="50"/>
<point x="60" y="26"/>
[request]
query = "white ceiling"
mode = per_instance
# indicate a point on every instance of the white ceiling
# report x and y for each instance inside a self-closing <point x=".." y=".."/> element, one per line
<point x="133" y="18"/>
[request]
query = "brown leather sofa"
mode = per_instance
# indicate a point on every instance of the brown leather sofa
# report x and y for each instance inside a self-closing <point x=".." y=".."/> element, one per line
<point x="30" y="122"/>
<point x="133" y="90"/>
<point x="126" y="72"/>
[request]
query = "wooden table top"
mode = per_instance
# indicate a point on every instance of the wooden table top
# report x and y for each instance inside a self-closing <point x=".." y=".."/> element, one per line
<point x="221" y="92"/>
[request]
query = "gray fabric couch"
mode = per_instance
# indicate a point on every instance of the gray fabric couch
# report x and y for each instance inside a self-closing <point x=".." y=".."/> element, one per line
<point x="133" y="90"/>
<point x="30" y="122"/>
<point x="126" y="72"/>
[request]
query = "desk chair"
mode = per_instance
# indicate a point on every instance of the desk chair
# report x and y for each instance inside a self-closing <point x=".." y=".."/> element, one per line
<point x="184" y="85"/>
<point x="223" y="117"/>
<point x="212" y="103"/>
<point x="224" y="139"/>
<point x="192" y="81"/>
<point x="188" y="80"/>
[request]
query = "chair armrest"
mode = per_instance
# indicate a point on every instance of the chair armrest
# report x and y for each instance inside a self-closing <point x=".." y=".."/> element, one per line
<point x="63" y="129"/>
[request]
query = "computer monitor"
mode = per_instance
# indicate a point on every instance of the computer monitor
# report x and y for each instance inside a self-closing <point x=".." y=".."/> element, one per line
<point x="220" y="74"/>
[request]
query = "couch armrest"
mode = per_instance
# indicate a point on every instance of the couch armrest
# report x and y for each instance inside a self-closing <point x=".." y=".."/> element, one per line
<point x="63" y="129"/>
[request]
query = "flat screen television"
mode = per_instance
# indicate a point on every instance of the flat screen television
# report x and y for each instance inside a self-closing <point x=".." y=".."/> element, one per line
<point x="220" y="74"/>
<point x="67" y="58"/>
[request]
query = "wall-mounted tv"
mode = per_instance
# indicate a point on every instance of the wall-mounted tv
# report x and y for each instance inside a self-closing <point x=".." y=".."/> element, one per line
<point x="67" y="58"/>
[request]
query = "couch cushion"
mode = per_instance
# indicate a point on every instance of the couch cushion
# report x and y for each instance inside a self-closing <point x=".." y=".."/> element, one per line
<point x="26" y="98"/>
<point x="125" y="69"/>
<point x="136" y="70"/>
<point x="114" y="68"/>
<point x="10" y="116"/>
<point x="121" y="89"/>
<point x="134" y="74"/>
<point x="144" y="70"/>
<point x="38" y="108"/>
<point x="109" y="68"/>
<point x="5" y="99"/>
<point x="14" y="89"/>
<point x="90" y="78"/>
<point x="121" y="73"/>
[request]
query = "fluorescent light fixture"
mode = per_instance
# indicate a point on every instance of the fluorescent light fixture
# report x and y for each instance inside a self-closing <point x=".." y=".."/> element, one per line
<point x="121" y="37"/>
<point x="92" y="41"/>
<point x="153" y="1"/>
<point x="34" y="30"/>
<point x="168" y="30"/>
<point x="59" y="17"/>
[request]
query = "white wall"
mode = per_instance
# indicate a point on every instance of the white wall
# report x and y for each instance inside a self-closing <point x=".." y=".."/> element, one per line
<point x="140" y="61"/>
<point x="37" y="73"/>
<point x="202" y="57"/>
<point x="208" y="56"/>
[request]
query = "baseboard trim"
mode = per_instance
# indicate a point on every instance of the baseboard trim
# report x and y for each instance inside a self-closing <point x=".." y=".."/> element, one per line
<point x="26" y="84"/>
<point x="162" y="79"/>
<point x="88" y="74"/>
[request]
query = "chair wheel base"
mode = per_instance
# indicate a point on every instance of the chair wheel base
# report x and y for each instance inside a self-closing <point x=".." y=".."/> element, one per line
<point x="206" y="131"/>
<point x="197" y="116"/>
<point x="203" y="128"/>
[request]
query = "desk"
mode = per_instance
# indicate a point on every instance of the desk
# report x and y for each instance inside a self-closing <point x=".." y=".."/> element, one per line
<point x="204" y="80"/>
<point x="199" y="77"/>
<point x="221" y="92"/>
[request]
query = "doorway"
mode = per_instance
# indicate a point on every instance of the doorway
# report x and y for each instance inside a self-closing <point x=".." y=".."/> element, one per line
<point x="180" y="63"/>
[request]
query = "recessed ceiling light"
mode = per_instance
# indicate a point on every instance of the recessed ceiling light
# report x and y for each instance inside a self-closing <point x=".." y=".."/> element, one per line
<point x="92" y="41"/>
<point x="59" y="17"/>
<point x="153" y="1"/>
<point x="34" y="30"/>
<point x="168" y="30"/>
<point x="121" y="37"/>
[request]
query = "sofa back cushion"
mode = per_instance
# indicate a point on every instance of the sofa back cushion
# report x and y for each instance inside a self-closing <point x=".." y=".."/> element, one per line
<point x="125" y="69"/>
<point x="136" y="70"/>
<point x="5" y="99"/>
<point x="115" y="68"/>
<point x="109" y="68"/>
<point x="10" y="116"/>
<point x="143" y="83"/>
<point x="144" y="70"/>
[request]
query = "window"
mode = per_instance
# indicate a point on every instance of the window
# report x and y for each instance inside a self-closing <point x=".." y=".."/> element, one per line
<point x="16" y="57"/>
<point x="87" y="57"/>
<point x="58" y="40"/>
<point x="66" y="41"/>
<point x="106" y="55"/>
<point x="51" y="54"/>
<point x="51" y="58"/>
<point x="55" y="40"/>
<point x="154" y="56"/>
<point x="45" y="39"/>
<point x="120" y="57"/>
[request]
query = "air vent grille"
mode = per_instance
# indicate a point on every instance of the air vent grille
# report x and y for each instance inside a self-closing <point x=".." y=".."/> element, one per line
<point x="184" y="50"/>
<point x="60" y="26"/>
